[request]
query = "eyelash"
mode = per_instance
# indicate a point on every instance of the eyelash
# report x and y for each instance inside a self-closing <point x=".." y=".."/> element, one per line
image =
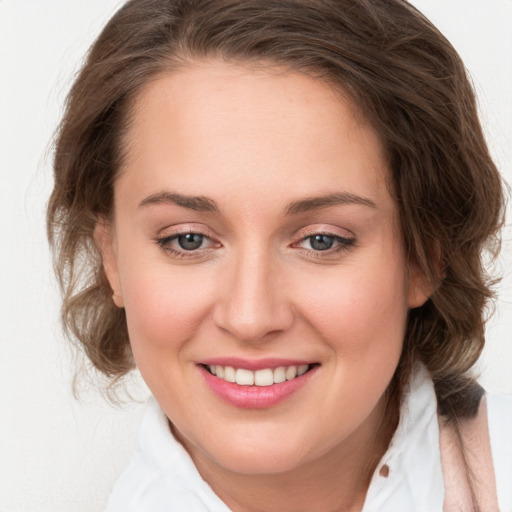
<point x="342" y="244"/>
<point x="166" y="241"/>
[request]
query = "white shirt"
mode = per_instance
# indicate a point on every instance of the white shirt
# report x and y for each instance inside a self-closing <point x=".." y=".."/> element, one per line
<point x="163" y="478"/>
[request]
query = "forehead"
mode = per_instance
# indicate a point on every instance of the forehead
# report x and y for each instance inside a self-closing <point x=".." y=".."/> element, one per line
<point x="225" y="126"/>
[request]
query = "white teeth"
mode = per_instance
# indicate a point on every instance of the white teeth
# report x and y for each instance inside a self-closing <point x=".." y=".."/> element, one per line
<point x="302" y="369"/>
<point x="264" y="377"/>
<point x="229" y="374"/>
<point x="291" y="372"/>
<point x="244" y="377"/>
<point x="280" y="374"/>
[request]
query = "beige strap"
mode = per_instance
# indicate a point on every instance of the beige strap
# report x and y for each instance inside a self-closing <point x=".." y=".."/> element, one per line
<point x="468" y="470"/>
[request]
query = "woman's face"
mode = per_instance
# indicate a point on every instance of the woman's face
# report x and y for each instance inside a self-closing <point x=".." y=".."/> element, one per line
<point x="255" y="237"/>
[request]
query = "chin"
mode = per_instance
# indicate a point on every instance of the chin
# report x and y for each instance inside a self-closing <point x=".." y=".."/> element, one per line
<point x="263" y="463"/>
<point x="244" y="456"/>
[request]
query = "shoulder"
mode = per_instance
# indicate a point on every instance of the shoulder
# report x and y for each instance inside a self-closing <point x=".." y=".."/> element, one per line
<point x="161" y="477"/>
<point x="499" y="413"/>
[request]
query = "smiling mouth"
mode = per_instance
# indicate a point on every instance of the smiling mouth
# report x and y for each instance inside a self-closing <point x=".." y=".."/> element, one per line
<point x="263" y="377"/>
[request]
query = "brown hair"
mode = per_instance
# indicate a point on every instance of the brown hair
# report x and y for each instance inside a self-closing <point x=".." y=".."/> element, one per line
<point x="406" y="79"/>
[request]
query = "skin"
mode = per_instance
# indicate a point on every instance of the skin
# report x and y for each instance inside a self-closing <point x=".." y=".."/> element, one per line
<point x="255" y="142"/>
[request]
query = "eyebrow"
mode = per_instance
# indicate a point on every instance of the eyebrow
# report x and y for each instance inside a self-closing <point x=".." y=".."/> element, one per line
<point x="316" y="203"/>
<point x="197" y="203"/>
<point x="205" y="204"/>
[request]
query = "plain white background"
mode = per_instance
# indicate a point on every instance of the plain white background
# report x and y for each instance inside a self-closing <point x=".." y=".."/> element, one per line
<point x="60" y="455"/>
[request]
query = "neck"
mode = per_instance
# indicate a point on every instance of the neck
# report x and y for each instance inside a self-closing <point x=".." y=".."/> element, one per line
<point x="337" y="481"/>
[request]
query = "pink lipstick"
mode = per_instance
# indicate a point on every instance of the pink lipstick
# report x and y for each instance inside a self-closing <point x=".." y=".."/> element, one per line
<point x="256" y="384"/>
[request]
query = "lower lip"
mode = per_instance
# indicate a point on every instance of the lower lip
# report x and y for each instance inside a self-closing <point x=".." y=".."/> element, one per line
<point x="255" y="397"/>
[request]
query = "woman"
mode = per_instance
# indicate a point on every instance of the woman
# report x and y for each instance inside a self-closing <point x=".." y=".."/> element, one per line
<point x="277" y="211"/>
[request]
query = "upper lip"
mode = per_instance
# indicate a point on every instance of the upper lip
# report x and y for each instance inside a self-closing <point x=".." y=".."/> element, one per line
<point x="254" y="364"/>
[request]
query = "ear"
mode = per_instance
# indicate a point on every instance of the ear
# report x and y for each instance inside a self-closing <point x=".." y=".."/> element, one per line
<point x="421" y="287"/>
<point x="105" y="242"/>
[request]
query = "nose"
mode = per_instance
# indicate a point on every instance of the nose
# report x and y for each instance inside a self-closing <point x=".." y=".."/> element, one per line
<point x="254" y="305"/>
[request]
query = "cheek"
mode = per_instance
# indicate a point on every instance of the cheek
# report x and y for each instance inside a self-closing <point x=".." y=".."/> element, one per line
<point x="362" y="310"/>
<point x="163" y="308"/>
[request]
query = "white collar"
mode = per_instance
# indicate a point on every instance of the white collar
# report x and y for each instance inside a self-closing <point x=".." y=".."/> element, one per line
<point x="162" y="477"/>
<point x="415" y="477"/>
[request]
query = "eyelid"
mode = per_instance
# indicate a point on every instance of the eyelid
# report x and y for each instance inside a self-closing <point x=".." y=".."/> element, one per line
<point x="185" y="228"/>
<point x="324" y="229"/>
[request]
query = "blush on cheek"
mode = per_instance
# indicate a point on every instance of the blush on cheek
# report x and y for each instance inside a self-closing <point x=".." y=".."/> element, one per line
<point x="354" y="302"/>
<point x="163" y="312"/>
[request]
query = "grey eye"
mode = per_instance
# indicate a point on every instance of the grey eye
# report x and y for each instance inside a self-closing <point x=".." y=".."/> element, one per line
<point x="321" y="242"/>
<point x="190" y="241"/>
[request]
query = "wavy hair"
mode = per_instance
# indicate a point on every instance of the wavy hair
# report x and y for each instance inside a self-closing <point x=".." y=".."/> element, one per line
<point x="406" y="79"/>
